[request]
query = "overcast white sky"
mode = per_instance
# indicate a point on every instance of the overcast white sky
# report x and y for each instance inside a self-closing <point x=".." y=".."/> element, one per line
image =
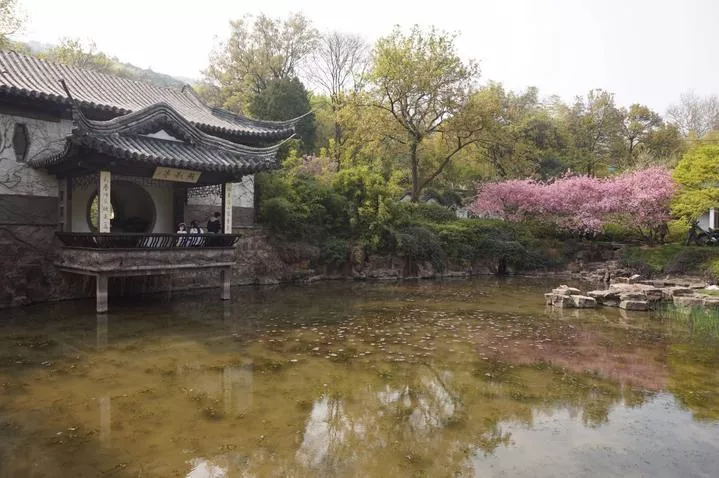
<point x="646" y="51"/>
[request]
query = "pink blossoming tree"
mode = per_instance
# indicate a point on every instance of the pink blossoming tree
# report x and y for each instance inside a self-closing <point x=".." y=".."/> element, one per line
<point x="582" y="204"/>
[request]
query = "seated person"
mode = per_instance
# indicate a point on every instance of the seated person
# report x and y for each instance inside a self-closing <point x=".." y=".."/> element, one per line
<point x="214" y="225"/>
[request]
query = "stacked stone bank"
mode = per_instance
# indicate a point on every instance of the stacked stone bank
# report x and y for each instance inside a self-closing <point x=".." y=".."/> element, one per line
<point x="633" y="296"/>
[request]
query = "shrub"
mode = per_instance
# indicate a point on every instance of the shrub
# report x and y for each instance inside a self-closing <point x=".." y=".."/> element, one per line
<point x="422" y="213"/>
<point x="499" y="243"/>
<point x="671" y="259"/>
<point x="335" y="251"/>
<point x="690" y="260"/>
<point x="418" y="244"/>
<point x="619" y="233"/>
<point x="280" y="215"/>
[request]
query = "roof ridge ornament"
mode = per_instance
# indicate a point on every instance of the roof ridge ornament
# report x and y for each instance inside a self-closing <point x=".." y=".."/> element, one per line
<point x="79" y="120"/>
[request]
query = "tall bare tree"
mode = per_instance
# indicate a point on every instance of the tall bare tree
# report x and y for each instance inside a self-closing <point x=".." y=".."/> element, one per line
<point x="695" y="115"/>
<point x="338" y="68"/>
<point x="339" y="64"/>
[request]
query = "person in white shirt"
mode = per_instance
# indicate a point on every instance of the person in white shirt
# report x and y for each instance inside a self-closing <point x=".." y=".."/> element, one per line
<point x="196" y="229"/>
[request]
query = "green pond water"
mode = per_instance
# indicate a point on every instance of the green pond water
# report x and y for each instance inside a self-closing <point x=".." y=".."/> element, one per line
<point x="455" y="378"/>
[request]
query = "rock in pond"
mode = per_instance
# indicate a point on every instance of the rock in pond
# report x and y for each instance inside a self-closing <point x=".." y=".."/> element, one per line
<point x="654" y="294"/>
<point x="566" y="290"/>
<point x="688" y="301"/>
<point x="711" y="302"/>
<point x="605" y="297"/>
<point x="626" y="296"/>
<point x="670" y="292"/>
<point x="634" y="305"/>
<point x="564" y="301"/>
<point x="584" y="302"/>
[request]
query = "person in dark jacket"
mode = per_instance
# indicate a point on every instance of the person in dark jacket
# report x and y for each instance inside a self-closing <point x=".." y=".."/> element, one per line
<point x="214" y="225"/>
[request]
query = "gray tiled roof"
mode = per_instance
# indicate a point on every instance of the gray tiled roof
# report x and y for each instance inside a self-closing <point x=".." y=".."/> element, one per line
<point x="30" y="77"/>
<point x="177" y="154"/>
<point x="125" y="137"/>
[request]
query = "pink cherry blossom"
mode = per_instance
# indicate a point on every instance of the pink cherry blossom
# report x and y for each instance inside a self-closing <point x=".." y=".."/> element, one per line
<point x="582" y="204"/>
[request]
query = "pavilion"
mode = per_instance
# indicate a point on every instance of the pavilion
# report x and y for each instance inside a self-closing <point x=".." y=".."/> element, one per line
<point x="129" y="161"/>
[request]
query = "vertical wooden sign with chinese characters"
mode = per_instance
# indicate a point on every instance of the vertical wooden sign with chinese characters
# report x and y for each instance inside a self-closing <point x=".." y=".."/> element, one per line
<point x="104" y="206"/>
<point x="227" y="208"/>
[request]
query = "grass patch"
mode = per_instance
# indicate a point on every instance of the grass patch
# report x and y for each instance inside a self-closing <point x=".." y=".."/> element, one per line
<point x="699" y="320"/>
<point x="673" y="259"/>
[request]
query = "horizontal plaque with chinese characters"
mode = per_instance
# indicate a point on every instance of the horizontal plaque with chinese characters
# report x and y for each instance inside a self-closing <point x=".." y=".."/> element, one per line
<point x="174" y="174"/>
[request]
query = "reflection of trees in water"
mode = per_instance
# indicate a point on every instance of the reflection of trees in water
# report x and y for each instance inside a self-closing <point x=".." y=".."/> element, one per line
<point x="375" y="417"/>
<point x="694" y="380"/>
<point x="420" y="419"/>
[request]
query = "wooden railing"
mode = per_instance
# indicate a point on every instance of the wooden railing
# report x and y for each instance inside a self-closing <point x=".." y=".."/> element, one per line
<point x="95" y="240"/>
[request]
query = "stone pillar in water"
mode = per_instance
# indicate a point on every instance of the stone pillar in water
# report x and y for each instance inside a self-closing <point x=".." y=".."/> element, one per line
<point x="101" y="293"/>
<point x="225" y="275"/>
<point x="101" y="331"/>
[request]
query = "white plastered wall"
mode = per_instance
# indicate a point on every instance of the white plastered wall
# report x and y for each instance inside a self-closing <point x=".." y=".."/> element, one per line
<point x="704" y="223"/>
<point x="243" y="195"/>
<point x="46" y="138"/>
<point x="161" y="198"/>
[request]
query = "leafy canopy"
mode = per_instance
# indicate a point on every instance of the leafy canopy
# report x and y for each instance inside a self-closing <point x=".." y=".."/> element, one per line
<point x="421" y="83"/>
<point x="698" y="177"/>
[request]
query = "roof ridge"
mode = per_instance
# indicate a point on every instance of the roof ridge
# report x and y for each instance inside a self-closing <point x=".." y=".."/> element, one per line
<point x="37" y="79"/>
<point x="152" y="116"/>
<point x="96" y="72"/>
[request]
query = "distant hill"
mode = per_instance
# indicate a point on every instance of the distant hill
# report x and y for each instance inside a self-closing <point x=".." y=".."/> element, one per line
<point x="129" y="70"/>
<point x="116" y="67"/>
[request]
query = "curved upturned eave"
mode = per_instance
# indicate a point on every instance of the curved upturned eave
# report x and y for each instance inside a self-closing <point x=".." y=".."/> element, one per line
<point x="159" y="152"/>
<point x="33" y="78"/>
<point x="160" y="116"/>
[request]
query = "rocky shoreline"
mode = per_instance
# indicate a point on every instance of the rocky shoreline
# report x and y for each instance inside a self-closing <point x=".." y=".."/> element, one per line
<point x="632" y="293"/>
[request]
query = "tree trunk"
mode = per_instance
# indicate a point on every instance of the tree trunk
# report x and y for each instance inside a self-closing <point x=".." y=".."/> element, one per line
<point x="414" y="161"/>
<point x="338" y="136"/>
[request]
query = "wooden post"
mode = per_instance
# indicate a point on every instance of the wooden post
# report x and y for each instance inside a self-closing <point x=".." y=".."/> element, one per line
<point x="104" y="206"/>
<point x="64" y="191"/>
<point x="227" y="208"/>
<point x="68" y="205"/>
<point x="225" y="276"/>
<point x="179" y="199"/>
<point x="101" y="293"/>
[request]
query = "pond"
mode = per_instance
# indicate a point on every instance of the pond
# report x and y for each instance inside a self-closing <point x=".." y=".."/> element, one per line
<point x="452" y="378"/>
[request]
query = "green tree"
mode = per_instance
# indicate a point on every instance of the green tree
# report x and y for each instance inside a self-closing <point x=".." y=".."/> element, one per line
<point x="639" y="124"/>
<point x="283" y="99"/>
<point x="419" y="80"/>
<point x="520" y="135"/>
<point x="698" y="177"/>
<point x="665" y="145"/>
<point x="73" y="52"/>
<point x="595" y="125"/>
<point x="11" y="20"/>
<point x="259" y="50"/>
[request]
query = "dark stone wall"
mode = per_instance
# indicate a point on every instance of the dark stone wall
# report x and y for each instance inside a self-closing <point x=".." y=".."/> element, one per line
<point x="28" y="210"/>
<point x="27" y="254"/>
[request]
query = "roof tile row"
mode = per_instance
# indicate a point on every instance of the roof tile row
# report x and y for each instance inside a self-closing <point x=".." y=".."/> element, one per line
<point x="27" y="76"/>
